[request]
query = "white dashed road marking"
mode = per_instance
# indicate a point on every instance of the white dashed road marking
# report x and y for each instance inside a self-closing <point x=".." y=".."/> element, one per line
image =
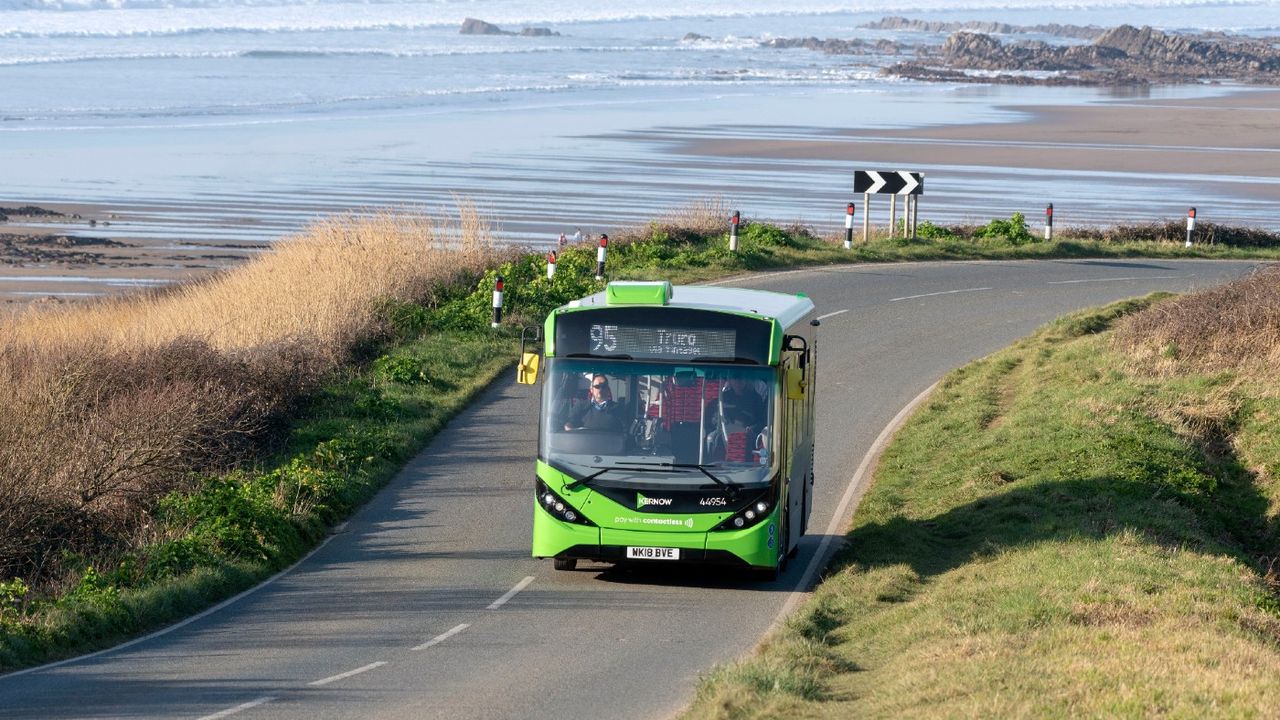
<point x="347" y="674"/>
<point x="1119" y="279"/>
<point x="239" y="708"/>
<point x="832" y="314"/>
<point x="443" y="636"/>
<point x="511" y="593"/>
<point x="944" y="292"/>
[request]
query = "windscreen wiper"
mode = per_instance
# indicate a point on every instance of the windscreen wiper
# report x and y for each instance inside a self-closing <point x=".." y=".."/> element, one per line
<point x="588" y="478"/>
<point x="602" y="469"/>
<point x="732" y="487"/>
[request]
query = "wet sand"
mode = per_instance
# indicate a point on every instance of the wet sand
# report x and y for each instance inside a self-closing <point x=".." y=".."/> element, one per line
<point x="1104" y="163"/>
<point x="1236" y="135"/>
<point x="86" y="251"/>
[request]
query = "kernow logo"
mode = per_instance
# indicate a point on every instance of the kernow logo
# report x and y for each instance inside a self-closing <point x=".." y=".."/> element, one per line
<point x="642" y="501"/>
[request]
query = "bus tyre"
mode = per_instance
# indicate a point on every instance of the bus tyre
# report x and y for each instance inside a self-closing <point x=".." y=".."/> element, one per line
<point x="564" y="563"/>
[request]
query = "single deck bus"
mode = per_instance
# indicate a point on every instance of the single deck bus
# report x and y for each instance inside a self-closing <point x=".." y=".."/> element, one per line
<point x="676" y="425"/>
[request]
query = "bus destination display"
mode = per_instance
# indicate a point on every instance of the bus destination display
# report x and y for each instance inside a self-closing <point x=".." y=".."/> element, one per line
<point x="656" y="342"/>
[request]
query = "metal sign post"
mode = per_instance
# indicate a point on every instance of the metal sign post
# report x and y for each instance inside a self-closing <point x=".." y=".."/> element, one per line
<point x="893" y="183"/>
<point x="866" y="218"/>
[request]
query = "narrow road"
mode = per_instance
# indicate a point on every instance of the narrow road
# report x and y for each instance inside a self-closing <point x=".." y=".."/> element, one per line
<point x="427" y="605"/>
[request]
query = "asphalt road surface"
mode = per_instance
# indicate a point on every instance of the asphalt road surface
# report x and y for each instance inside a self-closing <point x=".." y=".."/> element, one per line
<point x="427" y="604"/>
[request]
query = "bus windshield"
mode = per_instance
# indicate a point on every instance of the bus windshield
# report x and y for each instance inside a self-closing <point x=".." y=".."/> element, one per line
<point x="622" y="422"/>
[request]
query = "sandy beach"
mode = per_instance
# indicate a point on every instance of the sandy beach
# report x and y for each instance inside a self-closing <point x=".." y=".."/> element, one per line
<point x="1234" y="135"/>
<point x="1105" y="162"/>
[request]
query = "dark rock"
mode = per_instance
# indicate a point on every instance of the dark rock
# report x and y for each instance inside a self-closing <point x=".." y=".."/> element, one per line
<point x="1078" y="32"/>
<point x="887" y="47"/>
<point x="693" y="37"/>
<point x="830" y="46"/>
<point x="472" y="26"/>
<point x="1120" y="56"/>
<point x="30" y="211"/>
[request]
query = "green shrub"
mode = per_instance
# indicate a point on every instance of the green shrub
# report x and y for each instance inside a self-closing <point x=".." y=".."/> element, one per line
<point x="1009" y="232"/>
<point x="400" y="369"/>
<point x="929" y="231"/>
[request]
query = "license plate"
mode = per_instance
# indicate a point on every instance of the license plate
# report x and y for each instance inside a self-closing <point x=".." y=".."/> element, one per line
<point x="653" y="553"/>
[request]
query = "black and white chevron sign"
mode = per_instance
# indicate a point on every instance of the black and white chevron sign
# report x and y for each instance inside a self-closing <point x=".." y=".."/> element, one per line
<point x="888" y="182"/>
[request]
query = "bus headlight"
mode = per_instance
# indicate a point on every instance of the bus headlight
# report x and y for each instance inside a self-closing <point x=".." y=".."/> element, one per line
<point x="754" y="512"/>
<point x="556" y="507"/>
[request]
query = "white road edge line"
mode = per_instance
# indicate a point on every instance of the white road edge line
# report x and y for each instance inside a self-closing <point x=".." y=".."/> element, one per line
<point x="1119" y="279"/>
<point x="510" y="593"/>
<point x="833" y="314"/>
<point x="177" y="625"/>
<point x="239" y="708"/>
<point x="443" y="636"/>
<point x="843" y="517"/>
<point x="944" y="292"/>
<point x="347" y="674"/>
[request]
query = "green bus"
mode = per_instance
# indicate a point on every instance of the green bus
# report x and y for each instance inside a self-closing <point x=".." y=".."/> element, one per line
<point x="676" y="425"/>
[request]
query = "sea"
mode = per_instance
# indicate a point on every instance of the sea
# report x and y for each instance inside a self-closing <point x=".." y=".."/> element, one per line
<point x="245" y="120"/>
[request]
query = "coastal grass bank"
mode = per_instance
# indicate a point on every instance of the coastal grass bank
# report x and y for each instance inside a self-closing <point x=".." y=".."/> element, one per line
<point x="163" y="451"/>
<point x="1080" y="525"/>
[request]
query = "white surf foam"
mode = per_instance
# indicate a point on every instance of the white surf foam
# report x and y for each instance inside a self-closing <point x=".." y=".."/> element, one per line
<point x="123" y="18"/>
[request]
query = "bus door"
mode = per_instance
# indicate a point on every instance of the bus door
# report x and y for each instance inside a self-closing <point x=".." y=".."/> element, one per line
<point x="795" y="441"/>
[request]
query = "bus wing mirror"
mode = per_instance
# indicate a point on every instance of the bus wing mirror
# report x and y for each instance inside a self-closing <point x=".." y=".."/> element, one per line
<point x="795" y="383"/>
<point x="527" y="370"/>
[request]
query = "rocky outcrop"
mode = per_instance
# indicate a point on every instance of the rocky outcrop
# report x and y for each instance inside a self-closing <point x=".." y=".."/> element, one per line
<point x="1078" y="32"/>
<point x="832" y="46"/>
<point x="1121" y="56"/>
<point x="29" y="211"/>
<point x="472" y="26"/>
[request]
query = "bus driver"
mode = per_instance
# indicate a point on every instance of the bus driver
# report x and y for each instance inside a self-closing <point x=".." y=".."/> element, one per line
<point x="601" y="412"/>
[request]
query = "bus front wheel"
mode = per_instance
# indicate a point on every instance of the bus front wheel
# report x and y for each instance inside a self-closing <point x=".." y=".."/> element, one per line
<point x="564" y="563"/>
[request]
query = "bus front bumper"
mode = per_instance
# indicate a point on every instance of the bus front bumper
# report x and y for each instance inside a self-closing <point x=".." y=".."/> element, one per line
<point x="755" y="546"/>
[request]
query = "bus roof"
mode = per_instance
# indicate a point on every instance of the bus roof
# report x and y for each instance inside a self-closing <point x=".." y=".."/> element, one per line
<point x="785" y="309"/>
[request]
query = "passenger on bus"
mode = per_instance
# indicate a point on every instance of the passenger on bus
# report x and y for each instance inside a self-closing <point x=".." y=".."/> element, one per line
<point x="600" y="412"/>
<point x="740" y="401"/>
<point x="742" y="415"/>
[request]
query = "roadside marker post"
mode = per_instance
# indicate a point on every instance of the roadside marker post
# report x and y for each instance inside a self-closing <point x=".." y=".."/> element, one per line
<point x="733" y="231"/>
<point x="497" y="303"/>
<point x="893" y="215"/>
<point x="1048" y="222"/>
<point x="1191" y="224"/>
<point x="604" y="244"/>
<point x="551" y="265"/>
<point x="848" y="227"/>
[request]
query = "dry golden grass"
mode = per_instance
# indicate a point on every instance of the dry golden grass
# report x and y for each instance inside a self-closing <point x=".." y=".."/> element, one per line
<point x="1233" y="326"/>
<point x="321" y="288"/>
<point x="107" y="407"/>
<point x="708" y="216"/>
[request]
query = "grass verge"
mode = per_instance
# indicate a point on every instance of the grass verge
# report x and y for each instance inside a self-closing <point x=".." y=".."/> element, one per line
<point x="1066" y="529"/>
